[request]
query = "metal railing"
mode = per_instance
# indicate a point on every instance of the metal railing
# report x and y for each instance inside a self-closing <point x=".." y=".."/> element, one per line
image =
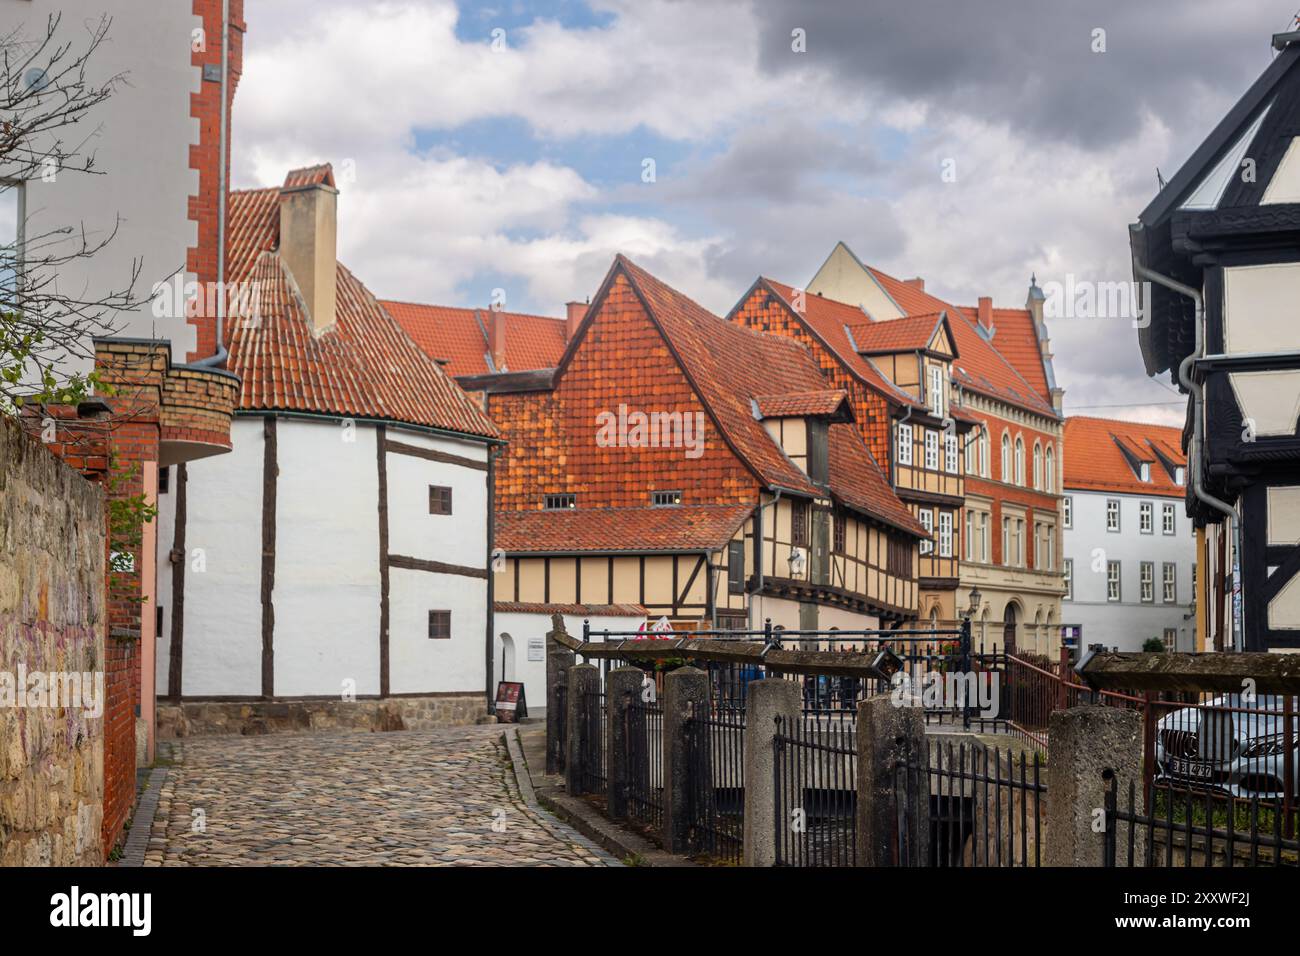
<point x="594" y="745"/>
<point x="715" y="759"/>
<point x="644" y="733"/>
<point x="814" y="770"/>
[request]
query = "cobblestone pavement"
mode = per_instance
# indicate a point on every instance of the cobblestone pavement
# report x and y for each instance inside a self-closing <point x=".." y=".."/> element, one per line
<point x="410" y="798"/>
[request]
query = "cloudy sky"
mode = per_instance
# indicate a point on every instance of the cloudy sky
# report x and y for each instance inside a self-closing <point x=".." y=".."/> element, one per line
<point x="497" y="145"/>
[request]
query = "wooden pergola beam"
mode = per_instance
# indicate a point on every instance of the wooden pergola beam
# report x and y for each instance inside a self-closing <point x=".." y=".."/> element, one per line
<point x="1227" y="673"/>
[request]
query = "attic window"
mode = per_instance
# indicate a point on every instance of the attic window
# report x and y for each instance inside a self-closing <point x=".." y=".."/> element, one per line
<point x="1144" y="471"/>
<point x="665" y="499"/>
<point x="818" y="451"/>
<point x="561" y="502"/>
<point x="1180" y="476"/>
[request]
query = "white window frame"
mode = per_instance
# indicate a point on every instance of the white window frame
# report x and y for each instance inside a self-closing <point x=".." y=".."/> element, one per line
<point x="1113" y="582"/>
<point x="1146" y="517"/>
<point x="1069" y="580"/>
<point x="931" y="450"/>
<point x="1169" y="583"/>
<point x="986" y="538"/>
<point x="1006" y="473"/>
<point x="1050" y="470"/>
<point x="1019" y="463"/>
<point x="950" y="462"/>
<point x="1067" y="510"/>
<point x="945" y="534"/>
<point x="969" y="549"/>
<point x="926" y="517"/>
<point x="1147" y="582"/>
<point x="1168" y="519"/>
<point x="1112" y="512"/>
<point x="904" y="443"/>
<point x="1038" y="466"/>
<point x="936" y="391"/>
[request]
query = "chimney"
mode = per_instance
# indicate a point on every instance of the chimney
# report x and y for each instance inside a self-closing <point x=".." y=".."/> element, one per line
<point x="496" y="328"/>
<point x="574" y="313"/>
<point x="986" y="313"/>
<point x="309" y="239"/>
<point x="918" y="283"/>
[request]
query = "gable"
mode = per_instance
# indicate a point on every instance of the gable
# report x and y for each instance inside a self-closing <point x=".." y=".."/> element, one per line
<point x="853" y="283"/>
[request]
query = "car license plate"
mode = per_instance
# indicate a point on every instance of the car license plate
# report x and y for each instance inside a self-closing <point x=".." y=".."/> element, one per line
<point x="1191" y="768"/>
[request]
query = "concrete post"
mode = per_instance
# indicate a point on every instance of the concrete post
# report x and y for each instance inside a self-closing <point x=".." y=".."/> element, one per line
<point x="889" y="736"/>
<point x="583" y="679"/>
<point x="766" y="700"/>
<point x="558" y="661"/>
<point x="683" y="688"/>
<point x="622" y="687"/>
<point x="1087" y="741"/>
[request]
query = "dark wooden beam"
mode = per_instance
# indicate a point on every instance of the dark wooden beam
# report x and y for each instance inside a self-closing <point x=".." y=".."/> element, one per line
<point x="384" y="610"/>
<point x="1271" y="673"/>
<point x="179" y="558"/>
<point x="270" y="482"/>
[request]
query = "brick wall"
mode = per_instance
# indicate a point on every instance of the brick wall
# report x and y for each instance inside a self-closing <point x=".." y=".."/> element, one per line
<point x="52" y="615"/>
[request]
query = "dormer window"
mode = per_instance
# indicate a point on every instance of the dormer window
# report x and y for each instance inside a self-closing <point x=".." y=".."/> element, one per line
<point x="819" y="467"/>
<point x="560" y="502"/>
<point x="665" y="499"/>
<point x="1180" y="476"/>
<point x="1144" y="471"/>
<point x="936" y="391"/>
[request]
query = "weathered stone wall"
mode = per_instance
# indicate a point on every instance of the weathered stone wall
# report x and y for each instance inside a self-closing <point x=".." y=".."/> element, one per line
<point x="52" y="619"/>
<point x="194" y="718"/>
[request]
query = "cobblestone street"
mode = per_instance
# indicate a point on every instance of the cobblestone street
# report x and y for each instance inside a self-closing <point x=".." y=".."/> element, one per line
<point x="435" y="798"/>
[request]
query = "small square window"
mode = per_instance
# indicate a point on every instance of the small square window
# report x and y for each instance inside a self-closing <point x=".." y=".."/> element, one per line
<point x="560" y="502"/>
<point x="665" y="499"/>
<point x="164" y="480"/>
<point x="440" y="625"/>
<point x="439" y="500"/>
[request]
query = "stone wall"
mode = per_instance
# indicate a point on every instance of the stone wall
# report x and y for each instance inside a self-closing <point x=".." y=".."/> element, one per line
<point x="52" y="620"/>
<point x="194" y="718"/>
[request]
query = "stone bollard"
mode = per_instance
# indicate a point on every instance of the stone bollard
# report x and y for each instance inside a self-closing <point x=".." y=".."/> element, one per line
<point x="583" y="679"/>
<point x="1087" y="741"/>
<point x="622" y="687"/>
<point x="683" y="688"/>
<point x="766" y="700"/>
<point x="558" y="661"/>
<point x="891" y="735"/>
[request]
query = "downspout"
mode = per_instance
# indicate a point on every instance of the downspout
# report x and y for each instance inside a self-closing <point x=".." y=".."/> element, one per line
<point x="758" y="590"/>
<point x="218" y="358"/>
<point x="1194" y="459"/>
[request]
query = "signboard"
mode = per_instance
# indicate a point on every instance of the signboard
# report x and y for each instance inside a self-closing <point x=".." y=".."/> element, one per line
<point x="537" y="648"/>
<point x="511" y="705"/>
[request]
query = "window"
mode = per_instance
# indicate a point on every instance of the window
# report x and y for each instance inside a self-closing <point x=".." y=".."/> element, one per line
<point x="818" y="451"/>
<point x="904" y="444"/>
<point x="899" y="558"/>
<point x="736" y="567"/>
<point x="1167" y="518"/>
<point x="665" y="499"/>
<point x="440" y="625"/>
<point x="1018" y="533"/>
<point x="1006" y="541"/>
<point x="729" y="620"/>
<point x="12" y="206"/>
<point x="839" y="532"/>
<point x="1069" y="579"/>
<point x="1171" y="639"/>
<point x="1038" y="466"/>
<point x="972" y="455"/>
<point x="164" y="480"/>
<point x="936" y="391"/>
<point x="559" y="502"/>
<point x="1144" y="517"/>
<point x="931" y="450"/>
<point x="985" y="456"/>
<point x="1112" y="581"/>
<point x="950" y="453"/>
<point x="1067" y="511"/>
<point x="1169" y="580"/>
<point x="1020" y="462"/>
<point x="985" y="541"/>
<point x="1144" y="472"/>
<point x="927" y="522"/>
<point x="945" y="534"/>
<point x="799" y="523"/>
<point x="1180" y="476"/>
<point x="1050" y="538"/>
<point x="1147" y="580"/>
<point x="1006" y="458"/>
<point x="969" y="550"/>
<point x="1049" y="483"/>
<point x="439" y="500"/>
<point x="1112" y="514"/>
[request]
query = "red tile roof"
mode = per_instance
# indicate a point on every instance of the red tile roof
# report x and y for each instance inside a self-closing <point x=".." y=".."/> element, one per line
<point x="798" y="404"/>
<point x="363" y="366"/>
<point x="856" y="481"/>
<point x="322" y="175"/>
<point x="1017" y="342"/>
<point x="911" y="334"/>
<point x="684" y="528"/>
<point x="1094" y="460"/>
<point x="458" y="337"/>
<point x="982" y="367"/>
<point x="829" y="321"/>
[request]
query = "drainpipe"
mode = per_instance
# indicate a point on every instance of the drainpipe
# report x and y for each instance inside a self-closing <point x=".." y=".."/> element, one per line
<point x="759" y="589"/>
<point x="1194" y="459"/>
<point x="219" y="357"/>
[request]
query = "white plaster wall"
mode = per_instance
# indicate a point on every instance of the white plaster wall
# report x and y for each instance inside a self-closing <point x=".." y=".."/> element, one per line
<point x="523" y="627"/>
<point x="140" y="139"/>
<point x="223" y="611"/>
<point x="458" y="538"/>
<point x="1129" y="622"/>
<point x="419" y="665"/>
<point x="327" y="560"/>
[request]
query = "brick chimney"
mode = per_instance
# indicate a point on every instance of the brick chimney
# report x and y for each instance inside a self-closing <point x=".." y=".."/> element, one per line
<point x="918" y="283"/>
<point x="574" y="313"/>
<point x="496" y="329"/>
<point x="986" y="313"/>
<point x="309" y="239"/>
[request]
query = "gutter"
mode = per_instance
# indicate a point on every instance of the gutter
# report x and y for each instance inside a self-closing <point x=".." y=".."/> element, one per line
<point x="359" y="420"/>
<point x="1194" y="453"/>
<point x="219" y="357"/>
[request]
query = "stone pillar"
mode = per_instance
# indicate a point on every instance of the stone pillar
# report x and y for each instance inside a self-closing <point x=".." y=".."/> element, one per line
<point x="766" y="700"/>
<point x="889" y="735"/>
<point x="558" y="661"/>
<point x="583" y="679"/>
<point x="1086" y="742"/>
<point x="622" y="687"/>
<point x="683" y="688"/>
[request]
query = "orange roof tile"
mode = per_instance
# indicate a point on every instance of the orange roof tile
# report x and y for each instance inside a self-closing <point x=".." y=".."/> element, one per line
<point x="911" y="334"/>
<point x="458" y="337"/>
<point x="1095" y="461"/>
<point x="565" y="531"/>
<point x="798" y="404"/>
<point x="363" y="366"/>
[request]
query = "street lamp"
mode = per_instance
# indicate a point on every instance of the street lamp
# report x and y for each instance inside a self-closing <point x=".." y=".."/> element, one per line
<point x="976" y="599"/>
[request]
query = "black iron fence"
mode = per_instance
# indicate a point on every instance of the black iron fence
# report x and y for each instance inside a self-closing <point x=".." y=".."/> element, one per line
<point x="560" y="741"/>
<point x="644" y="734"/>
<point x="814" y="772"/>
<point x="594" y="745"/>
<point x="715" y="758"/>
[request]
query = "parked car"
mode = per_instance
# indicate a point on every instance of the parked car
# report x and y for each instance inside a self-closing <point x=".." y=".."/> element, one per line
<point x="1241" y="752"/>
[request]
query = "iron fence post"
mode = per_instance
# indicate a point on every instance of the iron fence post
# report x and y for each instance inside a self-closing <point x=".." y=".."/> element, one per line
<point x="965" y="669"/>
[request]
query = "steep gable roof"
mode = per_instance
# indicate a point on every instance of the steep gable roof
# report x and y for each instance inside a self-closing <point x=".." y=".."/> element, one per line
<point x="363" y="366"/>
<point x="915" y="333"/>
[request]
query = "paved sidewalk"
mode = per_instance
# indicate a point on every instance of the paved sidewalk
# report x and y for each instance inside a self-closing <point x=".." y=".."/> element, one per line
<point x="408" y="798"/>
